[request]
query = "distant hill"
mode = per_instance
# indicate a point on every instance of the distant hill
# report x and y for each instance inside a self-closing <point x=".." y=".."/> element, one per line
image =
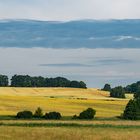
<point x="73" y="34"/>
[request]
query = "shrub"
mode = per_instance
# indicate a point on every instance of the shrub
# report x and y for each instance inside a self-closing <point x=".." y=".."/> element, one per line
<point x="53" y="115"/>
<point x="87" y="114"/>
<point x="24" y="115"/>
<point x="75" y="117"/>
<point x="38" y="113"/>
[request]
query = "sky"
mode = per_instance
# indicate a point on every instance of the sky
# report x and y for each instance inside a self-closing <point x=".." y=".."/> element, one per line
<point x="94" y="66"/>
<point x="69" y="9"/>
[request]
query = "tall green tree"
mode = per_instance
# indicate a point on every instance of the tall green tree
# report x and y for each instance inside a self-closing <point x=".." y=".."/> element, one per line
<point x="132" y="110"/>
<point x="107" y="87"/>
<point x="38" y="113"/>
<point x="3" y="81"/>
<point x="132" y="88"/>
<point x="137" y="93"/>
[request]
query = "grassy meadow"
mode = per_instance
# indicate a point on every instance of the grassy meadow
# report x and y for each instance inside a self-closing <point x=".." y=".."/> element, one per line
<point x="22" y="133"/>
<point x="67" y="101"/>
<point x="67" y="131"/>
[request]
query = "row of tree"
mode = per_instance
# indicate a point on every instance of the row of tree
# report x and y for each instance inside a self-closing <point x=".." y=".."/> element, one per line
<point x="117" y="92"/>
<point x="38" y="115"/>
<point x="133" y="88"/>
<point x="86" y="114"/>
<point x="28" y="81"/>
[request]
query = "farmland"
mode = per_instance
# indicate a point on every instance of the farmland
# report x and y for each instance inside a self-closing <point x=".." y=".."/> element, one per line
<point x="83" y="130"/>
<point x="67" y="101"/>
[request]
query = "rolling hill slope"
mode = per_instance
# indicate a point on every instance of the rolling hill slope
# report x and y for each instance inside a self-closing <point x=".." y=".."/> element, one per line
<point x="68" y="101"/>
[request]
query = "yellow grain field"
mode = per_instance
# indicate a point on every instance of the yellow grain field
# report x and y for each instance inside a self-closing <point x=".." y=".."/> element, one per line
<point x="56" y="133"/>
<point x="67" y="101"/>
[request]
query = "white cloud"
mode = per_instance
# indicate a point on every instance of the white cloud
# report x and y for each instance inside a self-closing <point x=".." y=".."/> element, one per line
<point x="69" y="9"/>
<point x="122" y="38"/>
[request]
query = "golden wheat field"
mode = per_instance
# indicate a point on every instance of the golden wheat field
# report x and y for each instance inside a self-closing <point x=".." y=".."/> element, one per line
<point x="23" y="133"/>
<point x="100" y="130"/>
<point x="68" y="101"/>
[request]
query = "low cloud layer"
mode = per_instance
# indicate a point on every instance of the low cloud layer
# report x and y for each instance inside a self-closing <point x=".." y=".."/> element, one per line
<point x="94" y="63"/>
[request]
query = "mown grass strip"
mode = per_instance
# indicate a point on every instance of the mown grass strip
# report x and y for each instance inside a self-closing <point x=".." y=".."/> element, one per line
<point x="70" y="125"/>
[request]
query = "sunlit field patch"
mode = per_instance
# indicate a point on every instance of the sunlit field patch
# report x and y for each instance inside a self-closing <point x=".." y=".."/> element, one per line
<point x="68" y="101"/>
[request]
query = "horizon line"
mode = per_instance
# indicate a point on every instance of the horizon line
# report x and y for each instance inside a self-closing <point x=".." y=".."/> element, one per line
<point x="81" y="19"/>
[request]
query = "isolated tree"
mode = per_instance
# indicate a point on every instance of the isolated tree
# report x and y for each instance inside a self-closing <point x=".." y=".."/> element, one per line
<point x="132" y="110"/>
<point x="38" y="113"/>
<point x="107" y="87"/>
<point x="117" y="92"/>
<point x="87" y="114"/>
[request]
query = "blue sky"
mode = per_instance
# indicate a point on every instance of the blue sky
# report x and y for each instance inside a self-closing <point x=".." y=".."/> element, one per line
<point x="69" y="9"/>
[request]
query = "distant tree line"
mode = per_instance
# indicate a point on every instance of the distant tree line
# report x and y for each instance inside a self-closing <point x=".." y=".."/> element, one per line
<point x="117" y="92"/>
<point x="133" y="88"/>
<point x="28" y="81"/>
